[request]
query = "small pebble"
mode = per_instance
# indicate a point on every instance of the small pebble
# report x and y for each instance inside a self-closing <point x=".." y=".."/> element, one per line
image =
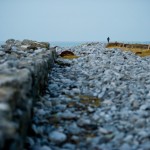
<point x="57" y="137"/>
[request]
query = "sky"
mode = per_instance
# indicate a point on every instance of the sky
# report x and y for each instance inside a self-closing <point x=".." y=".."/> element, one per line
<point x="75" y="20"/>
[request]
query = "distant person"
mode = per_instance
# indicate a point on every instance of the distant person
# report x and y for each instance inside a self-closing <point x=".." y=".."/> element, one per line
<point x="108" y="39"/>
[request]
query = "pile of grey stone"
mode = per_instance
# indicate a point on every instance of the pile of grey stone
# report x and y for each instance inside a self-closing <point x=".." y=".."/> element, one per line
<point x="24" y="68"/>
<point x="99" y="101"/>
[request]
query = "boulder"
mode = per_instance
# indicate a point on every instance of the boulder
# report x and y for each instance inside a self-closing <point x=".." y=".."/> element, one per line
<point x="18" y="43"/>
<point x="10" y="41"/>
<point x="35" y="45"/>
<point x="26" y="42"/>
<point x="24" y="45"/>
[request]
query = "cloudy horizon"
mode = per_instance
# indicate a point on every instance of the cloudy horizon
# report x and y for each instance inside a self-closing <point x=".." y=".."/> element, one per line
<point x="78" y="20"/>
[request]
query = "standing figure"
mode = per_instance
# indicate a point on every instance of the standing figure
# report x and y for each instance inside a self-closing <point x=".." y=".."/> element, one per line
<point x="108" y="39"/>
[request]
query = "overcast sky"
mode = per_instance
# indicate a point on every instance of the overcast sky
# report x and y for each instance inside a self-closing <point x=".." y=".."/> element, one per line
<point x="75" y="20"/>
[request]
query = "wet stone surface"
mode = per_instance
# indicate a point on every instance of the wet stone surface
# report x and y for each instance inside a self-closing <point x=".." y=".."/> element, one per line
<point x="99" y="101"/>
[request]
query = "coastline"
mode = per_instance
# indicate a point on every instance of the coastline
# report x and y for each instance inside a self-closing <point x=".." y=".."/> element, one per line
<point x="69" y="44"/>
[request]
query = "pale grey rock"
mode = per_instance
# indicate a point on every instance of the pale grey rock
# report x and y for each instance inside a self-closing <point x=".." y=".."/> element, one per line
<point x="37" y="129"/>
<point x="75" y="90"/>
<point x="23" y="47"/>
<point x="143" y="134"/>
<point x="45" y="148"/>
<point x="57" y="137"/>
<point x="74" y="129"/>
<point x="26" y="42"/>
<point x="67" y="115"/>
<point x="2" y="53"/>
<point x="10" y="41"/>
<point x="140" y="122"/>
<point x="23" y="77"/>
<point x="41" y="112"/>
<point x="7" y="48"/>
<point x="95" y="116"/>
<point x="48" y="104"/>
<point x="17" y="43"/>
<point x="75" y="138"/>
<point x="93" y="142"/>
<point x="148" y="95"/>
<point x="145" y="107"/>
<point x="145" y="146"/>
<point x="135" y="104"/>
<point x="4" y="107"/>
<point x="14" y="48"/>
<point x="128" y="138"/>
<point x="90" y="109"/>
<point x="62" y="107"/>
<point x="83" y="122"/>
<point x="125" y="146"/>
<point x="103" y="130"/>
<point x="69" y="146"/>
<point x="39" y="51"/>
<point x="17" y="88"/>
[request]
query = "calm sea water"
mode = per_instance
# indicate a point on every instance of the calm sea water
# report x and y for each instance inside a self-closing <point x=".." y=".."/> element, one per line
<point x="66" y="44"/>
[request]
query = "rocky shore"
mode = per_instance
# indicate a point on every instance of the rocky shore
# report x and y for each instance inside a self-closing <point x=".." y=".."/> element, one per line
<point x="24" y="68"/>
<point x="98" y="101"/>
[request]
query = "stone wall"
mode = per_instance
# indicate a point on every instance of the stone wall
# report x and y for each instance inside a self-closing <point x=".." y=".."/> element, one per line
<point x="24" y="68"/>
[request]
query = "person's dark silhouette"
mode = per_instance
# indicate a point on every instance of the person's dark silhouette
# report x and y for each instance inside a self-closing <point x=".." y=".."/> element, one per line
<point x="108" y="39"/>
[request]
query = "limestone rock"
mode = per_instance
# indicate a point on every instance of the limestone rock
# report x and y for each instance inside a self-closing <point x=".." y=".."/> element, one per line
<point x="10" y="41"/>
<point x="23" y="76"/>
<point x="57" y="137"/>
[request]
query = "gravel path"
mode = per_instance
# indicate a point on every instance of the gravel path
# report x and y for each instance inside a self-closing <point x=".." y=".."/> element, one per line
<point x="99" y="101"/>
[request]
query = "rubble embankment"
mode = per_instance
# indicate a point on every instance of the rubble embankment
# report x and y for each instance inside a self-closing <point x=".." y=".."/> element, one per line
<point x="24" y="67"/>
<point x="98" y="101"/>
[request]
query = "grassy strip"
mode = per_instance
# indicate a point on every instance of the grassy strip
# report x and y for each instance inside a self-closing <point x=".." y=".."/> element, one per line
<point x="70" y="57"/>
<point x="139" y="49"/>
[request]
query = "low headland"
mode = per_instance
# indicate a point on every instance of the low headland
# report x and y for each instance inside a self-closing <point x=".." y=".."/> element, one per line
<point x="139" y="49"/>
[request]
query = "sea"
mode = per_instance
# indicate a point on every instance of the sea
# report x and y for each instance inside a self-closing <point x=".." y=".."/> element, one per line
<point x="66" y="44"/>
